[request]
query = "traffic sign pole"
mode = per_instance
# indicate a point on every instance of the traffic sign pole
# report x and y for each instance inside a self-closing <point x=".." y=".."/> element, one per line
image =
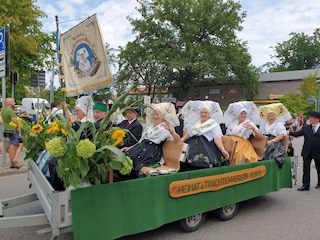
<point x="3" y="76"/>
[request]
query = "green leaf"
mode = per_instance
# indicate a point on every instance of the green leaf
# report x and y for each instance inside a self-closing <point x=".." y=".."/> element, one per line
<point x="84" y="167"/>
<point x="115" y="165"/>
<point x="118" y="154"/>
<point x="119" y="101"/>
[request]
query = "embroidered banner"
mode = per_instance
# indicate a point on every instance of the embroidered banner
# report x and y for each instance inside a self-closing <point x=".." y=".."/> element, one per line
<point x="214" y="183"/>
<point x="84" y="59"/>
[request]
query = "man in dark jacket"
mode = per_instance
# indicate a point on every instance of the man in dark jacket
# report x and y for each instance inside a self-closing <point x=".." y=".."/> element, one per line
<point x="133" y="125"/>
<point x="310" y="149"/>
<point x="100" y="111"/>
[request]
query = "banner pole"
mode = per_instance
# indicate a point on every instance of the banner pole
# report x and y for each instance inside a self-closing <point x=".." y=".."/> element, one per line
<point x="59" y="55"/>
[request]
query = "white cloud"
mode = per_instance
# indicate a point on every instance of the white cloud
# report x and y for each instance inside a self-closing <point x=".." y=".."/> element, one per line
<point x="114" y="25"/>
<point x="112" y="17"/>
<point x="111" y="14"/>
<point x="271" y="22"/>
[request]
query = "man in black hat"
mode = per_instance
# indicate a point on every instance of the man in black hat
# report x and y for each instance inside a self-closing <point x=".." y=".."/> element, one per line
<point x="310" y="149"/>
<point x="132" y="124"/>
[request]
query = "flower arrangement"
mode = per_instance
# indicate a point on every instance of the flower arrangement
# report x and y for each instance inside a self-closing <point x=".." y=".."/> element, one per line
<point x="89" y="160"/>
<point x="36" y="136"/>
<point x="80" y="160"/>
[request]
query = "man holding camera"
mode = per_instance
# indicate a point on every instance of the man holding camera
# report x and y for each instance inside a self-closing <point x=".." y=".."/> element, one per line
<point x="12" y="131"/>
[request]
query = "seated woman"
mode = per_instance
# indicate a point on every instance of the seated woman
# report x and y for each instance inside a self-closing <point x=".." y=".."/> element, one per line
<point x="83" y="113"/>
<point x="161" y="120"/>
<point x="240" y="119"/>
<point x="203" y="134"/>
<point x="273" y="117"/>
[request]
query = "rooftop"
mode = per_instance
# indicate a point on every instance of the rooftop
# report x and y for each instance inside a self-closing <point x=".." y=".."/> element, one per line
<point x="289" y="75"/>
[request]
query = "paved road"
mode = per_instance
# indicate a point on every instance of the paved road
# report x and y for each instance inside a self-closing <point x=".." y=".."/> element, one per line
<point x="287" y="214"/>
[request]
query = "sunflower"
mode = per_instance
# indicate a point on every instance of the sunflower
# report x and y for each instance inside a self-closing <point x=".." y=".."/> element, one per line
<point x="37" y="128"/>
<point x="118" y="136"/>
<point x="53" y="130"/>
<point x="54" y="124"/>
<point x="64" y="131"/>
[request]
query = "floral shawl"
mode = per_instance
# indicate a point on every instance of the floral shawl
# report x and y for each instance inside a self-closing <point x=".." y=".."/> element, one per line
<point x="156" y="134"/>
<point x="199" y="128"/>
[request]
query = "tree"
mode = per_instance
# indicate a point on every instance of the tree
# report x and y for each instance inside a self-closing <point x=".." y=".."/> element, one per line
<point x="141" y="68"/>
<point x="297" y="103"/>
<point x="118" y="86"/>
<point x="187" y="42"/>
<point x="299" y="52"/>
<point x="309" y="86"/>
<point x="29" y="46"/>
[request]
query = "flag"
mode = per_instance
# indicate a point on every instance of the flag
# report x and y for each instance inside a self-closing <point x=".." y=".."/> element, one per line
<point x="84" y="59"/>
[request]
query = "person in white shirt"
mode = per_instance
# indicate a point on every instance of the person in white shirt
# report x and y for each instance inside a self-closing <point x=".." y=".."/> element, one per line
<point x="203" y="134"/>
<point x="83" y="113"/>
<point x="241" y="119"/>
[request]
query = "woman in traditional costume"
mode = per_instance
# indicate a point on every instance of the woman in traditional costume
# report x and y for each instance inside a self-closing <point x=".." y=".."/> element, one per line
<point x="273" y="116"/>
<point x="83" y="113"/>
<point x="203" y="134"/>
<point x="241" y="119"/>
<point x="161" y="120"/>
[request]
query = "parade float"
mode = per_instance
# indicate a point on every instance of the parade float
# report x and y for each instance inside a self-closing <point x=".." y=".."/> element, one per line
<point x="107" y="209"/>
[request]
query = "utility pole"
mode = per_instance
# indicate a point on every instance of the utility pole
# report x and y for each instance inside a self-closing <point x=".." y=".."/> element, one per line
<point x="4" y="72"/>
<point x="51" y="81"/>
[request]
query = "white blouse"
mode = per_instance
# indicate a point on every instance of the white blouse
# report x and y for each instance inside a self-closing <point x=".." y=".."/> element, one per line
<point x="156" y="134"/>
<point x="239" y="130"/>
<point x="274" y="129"/>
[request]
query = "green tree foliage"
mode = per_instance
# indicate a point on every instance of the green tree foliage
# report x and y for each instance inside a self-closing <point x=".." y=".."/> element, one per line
<point x="29" y="46"/>
<point x="295" y="103"/>
<point x="118" y="86"/>
<point x="300" y="52"/>
<point x="187" y="42"/>
<point x="309" y="87"/>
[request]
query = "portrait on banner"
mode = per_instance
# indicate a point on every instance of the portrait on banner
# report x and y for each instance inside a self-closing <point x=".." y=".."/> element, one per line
<point x="84" y="58"/>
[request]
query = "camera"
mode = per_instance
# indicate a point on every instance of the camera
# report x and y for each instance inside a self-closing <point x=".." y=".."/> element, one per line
<point x="20" y="140"/>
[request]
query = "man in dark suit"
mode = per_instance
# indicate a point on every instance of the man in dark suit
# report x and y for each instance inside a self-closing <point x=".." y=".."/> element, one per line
<point x="133" y="125"/>
<point x="310" y="149"/>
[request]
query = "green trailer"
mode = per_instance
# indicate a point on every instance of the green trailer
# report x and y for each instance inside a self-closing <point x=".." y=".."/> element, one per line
<point x="124" y="208"/>
<point x="128" y="207"/>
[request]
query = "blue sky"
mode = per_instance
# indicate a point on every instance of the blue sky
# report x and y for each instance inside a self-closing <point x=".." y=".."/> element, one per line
<point x="268" y="22"/>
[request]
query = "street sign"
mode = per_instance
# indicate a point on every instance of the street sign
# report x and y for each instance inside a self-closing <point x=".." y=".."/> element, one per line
<point x="39" y="79"/>
<point x="42" y="79"/>
<point x="2" y="53"/>
<point x="2" y="40"/>
<point x="311" y="100"/>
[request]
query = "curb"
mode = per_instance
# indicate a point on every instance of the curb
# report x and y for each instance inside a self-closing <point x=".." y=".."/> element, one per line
<point x="7" y="171"/>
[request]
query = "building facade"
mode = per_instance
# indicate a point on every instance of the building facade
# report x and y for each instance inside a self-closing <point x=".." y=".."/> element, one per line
<point x="272" y="86"/>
